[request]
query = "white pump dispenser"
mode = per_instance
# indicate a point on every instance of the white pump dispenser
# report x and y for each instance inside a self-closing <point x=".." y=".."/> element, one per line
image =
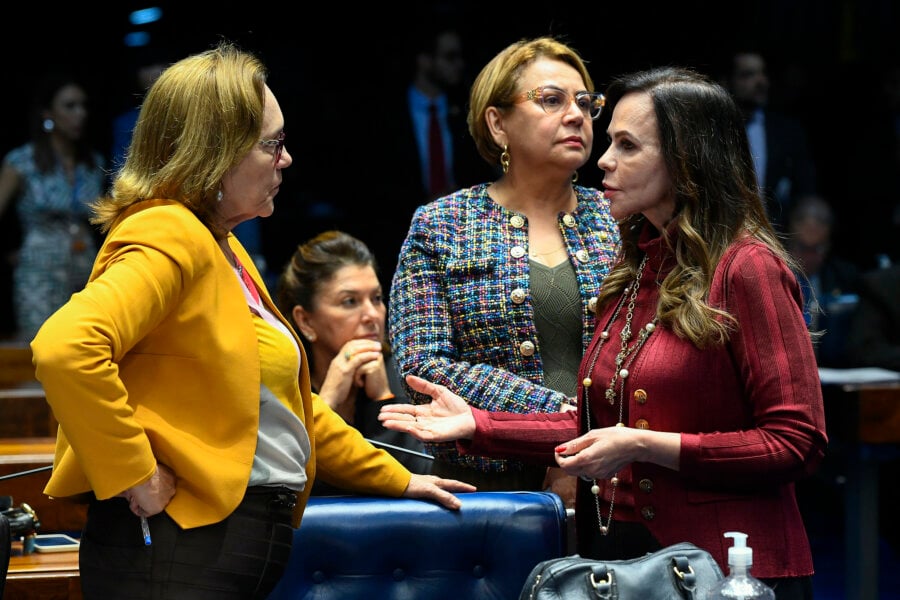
<point x="739" y="555"/>
<point x="740" y="584"/>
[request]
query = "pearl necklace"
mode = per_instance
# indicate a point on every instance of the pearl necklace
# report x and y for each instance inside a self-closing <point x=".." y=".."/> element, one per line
<point x="624" y="359"/>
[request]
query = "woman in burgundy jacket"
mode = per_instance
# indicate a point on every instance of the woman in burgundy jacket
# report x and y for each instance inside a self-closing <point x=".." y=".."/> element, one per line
<point x="699" y="400"/>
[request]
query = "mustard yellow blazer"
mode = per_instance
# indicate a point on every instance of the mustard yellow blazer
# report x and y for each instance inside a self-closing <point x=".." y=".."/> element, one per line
<point x="156" y="359"/>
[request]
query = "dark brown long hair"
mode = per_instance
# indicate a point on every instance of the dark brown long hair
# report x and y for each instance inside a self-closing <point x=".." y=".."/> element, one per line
<point x="717" y="200"/>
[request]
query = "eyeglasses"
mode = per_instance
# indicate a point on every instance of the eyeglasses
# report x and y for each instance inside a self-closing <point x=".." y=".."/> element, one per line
<point x="553" y="100"/>
<point x="277" y="144"/>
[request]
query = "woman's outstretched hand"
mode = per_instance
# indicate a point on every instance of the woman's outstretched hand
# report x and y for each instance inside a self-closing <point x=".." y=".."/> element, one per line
<point x="445" y="419"/>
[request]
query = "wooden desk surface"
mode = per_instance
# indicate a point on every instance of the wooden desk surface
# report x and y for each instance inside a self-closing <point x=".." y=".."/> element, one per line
<point x="867" y="413"/>
<point x="15" y="364"/>
<point x="23" y="457"/>
<point x="42" y="576"/>
<point x="27" y="449"/>
<point x="41" y="562"/>
<point x="26" y="412"/>
<point x="39" y="576"/>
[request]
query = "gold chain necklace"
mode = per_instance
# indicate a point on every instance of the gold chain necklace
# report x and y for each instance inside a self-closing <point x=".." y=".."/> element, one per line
<point x="548" y="252"/>
<point x="624" y="359"/>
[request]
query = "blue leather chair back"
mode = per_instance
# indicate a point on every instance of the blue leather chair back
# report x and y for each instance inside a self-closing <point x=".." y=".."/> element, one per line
<point x="350" y="547"/>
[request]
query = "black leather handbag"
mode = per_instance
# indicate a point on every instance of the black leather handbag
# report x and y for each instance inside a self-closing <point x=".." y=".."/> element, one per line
<point x="680" y="571"/>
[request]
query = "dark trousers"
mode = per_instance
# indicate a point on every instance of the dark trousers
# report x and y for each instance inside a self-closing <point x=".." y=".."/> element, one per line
<point x="242" y="557"/>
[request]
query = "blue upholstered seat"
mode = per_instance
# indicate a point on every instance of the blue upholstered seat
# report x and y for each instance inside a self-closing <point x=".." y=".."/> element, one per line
<point x="350" y="547"/>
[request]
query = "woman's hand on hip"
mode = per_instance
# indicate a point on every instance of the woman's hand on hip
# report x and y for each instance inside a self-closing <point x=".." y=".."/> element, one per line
<point x="152" y="496"/>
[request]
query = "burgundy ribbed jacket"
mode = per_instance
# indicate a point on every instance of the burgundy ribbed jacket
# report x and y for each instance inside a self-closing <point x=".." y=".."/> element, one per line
<point x="750" y="414"/>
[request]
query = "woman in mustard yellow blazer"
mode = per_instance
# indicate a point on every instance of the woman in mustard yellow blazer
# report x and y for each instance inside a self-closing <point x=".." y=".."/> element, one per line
<point x="183" y="397"/>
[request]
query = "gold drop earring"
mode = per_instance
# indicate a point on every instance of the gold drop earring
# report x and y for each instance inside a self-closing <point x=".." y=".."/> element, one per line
<point x="504" y="159"/>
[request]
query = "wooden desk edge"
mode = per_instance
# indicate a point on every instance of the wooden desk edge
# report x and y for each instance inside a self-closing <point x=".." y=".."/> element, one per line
<point x="32" y="449"/>
<point x="41" y="572"/>
<point x="37" y="565"/>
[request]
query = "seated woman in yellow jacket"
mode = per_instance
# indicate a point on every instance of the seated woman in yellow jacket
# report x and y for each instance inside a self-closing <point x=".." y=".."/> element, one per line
<point x="183" y="396"/>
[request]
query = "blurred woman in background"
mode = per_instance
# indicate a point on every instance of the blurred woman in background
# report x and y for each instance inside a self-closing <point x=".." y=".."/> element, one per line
<point x="51" y="180"/>
<point x="331" y="292"/>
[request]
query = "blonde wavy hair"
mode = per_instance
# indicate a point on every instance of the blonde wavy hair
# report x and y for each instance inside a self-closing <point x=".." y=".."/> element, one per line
<point x="201" y="117"/>
<point x="497" y="85"/>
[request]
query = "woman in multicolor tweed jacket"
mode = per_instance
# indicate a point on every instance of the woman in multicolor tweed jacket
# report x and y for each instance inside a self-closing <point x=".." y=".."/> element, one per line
<point x="496" y="284"/>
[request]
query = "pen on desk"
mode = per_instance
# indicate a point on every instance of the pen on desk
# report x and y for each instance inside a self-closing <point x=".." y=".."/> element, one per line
<point x="145" y="528"/>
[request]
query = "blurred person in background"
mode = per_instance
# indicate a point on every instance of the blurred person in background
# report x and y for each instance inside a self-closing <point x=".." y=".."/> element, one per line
<point x="784" y="166"/>
<point x="330" y="291"/>
<point x="424" y="148"/>
<point x="828" y="281"/>
<point x="49" y="182"/>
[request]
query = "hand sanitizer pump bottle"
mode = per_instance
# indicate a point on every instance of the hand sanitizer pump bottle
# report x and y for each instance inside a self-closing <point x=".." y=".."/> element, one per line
<point x="740" y="584"/>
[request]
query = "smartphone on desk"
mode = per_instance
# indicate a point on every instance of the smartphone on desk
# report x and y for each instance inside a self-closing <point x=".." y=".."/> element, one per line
<point x="54" y="542"/>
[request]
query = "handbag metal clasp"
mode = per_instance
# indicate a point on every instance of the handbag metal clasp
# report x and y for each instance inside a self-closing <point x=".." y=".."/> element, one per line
<point x="682" y="574"/>
<point x="602" y="582"/>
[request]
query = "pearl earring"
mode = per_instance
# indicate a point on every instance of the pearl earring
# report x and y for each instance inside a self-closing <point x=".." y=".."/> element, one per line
<point x="48" y="125"/>
<point x="219" y="196"/>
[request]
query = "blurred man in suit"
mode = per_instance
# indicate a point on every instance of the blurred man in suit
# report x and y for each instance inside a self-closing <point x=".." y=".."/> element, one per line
<point x="784" y="165"/>
<point x="405" y="175"/>
<point x="829" y="281"/>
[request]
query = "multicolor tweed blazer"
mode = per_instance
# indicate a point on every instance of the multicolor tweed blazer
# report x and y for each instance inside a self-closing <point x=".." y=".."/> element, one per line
<point x="460" y="311"/>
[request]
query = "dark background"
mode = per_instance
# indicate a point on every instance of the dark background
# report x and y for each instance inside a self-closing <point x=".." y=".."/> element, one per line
<point x="328" y="65"/>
